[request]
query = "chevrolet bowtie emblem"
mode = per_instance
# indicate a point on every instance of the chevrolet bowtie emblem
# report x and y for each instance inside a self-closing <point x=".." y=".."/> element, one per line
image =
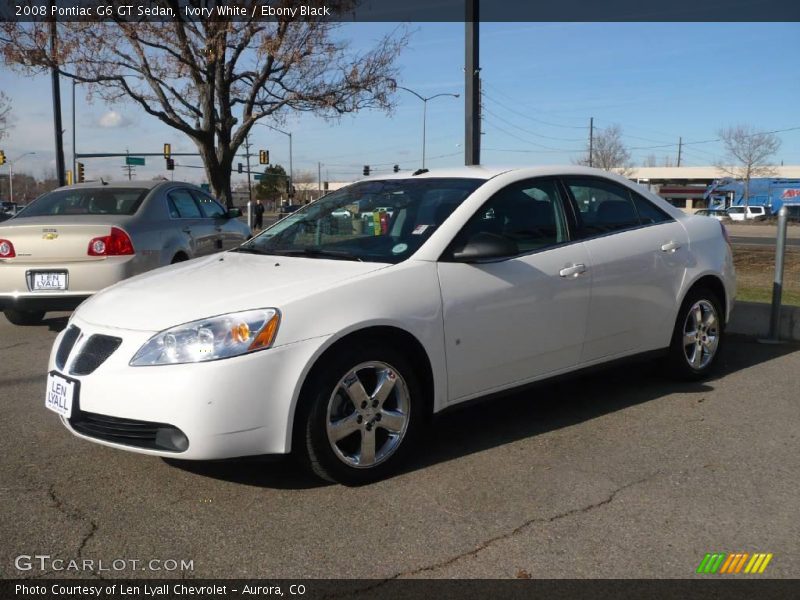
<point x="49" y="236"/>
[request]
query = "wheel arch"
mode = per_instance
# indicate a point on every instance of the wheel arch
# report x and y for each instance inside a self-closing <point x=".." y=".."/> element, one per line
<point x="715" y="284"/>
<point x="405" y="341"/>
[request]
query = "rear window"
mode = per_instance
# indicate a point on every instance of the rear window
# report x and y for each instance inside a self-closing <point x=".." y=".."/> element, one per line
<point x="87" y="201"/>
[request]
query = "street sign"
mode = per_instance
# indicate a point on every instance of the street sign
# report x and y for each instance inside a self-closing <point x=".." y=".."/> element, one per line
<point x="258" y="176"/>
<point x="134" y="160"/>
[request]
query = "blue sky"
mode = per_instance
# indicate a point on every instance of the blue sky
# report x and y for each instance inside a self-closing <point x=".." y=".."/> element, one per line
<point x="542" y="82"/>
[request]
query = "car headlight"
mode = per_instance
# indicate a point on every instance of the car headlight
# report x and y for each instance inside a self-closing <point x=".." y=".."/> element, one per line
<point x="213" y="338"/>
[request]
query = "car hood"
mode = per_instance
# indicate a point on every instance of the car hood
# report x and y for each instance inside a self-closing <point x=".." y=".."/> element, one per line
<point x="214" y="285"/>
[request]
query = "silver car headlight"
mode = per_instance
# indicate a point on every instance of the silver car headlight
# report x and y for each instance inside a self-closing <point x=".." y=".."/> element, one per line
<point x="213" y="338"/>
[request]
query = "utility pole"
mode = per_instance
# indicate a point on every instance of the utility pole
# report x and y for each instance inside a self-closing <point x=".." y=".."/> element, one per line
<point x="54" y="75"/>
<point x="472" y="100"/>
<point x="74" y="160"/>
<point x="247" y="156"/>
<point x="591" y="140"/>
<point x="319" y="178"/>
<point x="680" y="147"/>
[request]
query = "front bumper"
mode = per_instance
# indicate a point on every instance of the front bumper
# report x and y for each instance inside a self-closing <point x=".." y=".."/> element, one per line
<point x="227" y="408"/>
<point x="84" y="278"/>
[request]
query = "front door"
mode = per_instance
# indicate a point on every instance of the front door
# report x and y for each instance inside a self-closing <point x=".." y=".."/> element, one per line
<point x="518" y="319"/>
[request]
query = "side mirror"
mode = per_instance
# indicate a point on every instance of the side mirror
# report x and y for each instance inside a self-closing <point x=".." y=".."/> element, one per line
<point x="486" y="246"/>
<point x="233" y="213"/>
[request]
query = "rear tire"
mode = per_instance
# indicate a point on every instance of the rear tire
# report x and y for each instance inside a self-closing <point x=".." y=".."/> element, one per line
<point x="360" y="414"/>
<point x="698" y="336"/>
<point x="24" y="317"/>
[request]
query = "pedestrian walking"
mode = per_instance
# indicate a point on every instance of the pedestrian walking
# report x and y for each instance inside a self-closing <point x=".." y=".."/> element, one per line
<point x="259" y="212"/>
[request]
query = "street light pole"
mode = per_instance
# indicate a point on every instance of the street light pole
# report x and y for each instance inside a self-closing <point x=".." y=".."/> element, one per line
<point x="425" y="113"/>
<point x="286" y="133"/>
<point x="11" y="175"/>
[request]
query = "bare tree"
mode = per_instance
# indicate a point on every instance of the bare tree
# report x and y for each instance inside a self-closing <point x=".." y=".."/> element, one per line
<point x="5" y="115"/>
<point x="608" y="151"/>
<point x="650" y="161"/>
<point x="212" y="78"/>
<point x="747" y="154"/>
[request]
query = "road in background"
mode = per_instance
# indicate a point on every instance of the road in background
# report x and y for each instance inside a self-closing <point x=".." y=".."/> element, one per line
<point x="618" y="474"/>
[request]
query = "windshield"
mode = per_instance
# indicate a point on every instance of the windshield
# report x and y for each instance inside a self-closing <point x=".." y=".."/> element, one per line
<point x="86" y="201"/>
<point x="372" y="221"/>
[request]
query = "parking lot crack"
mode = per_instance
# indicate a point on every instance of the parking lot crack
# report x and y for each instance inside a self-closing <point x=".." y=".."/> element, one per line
<point x="520" y="528"/>
<point x="74" y="514"/>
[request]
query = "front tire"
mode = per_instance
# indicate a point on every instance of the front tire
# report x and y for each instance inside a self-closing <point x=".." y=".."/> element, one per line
<point x="698" y="335"/>
<point x="24" y="317"/>
<point x="361" y="413"/>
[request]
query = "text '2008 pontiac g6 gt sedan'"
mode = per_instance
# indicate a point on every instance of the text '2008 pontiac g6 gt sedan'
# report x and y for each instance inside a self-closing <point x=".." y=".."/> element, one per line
<point x="336" y="333"/>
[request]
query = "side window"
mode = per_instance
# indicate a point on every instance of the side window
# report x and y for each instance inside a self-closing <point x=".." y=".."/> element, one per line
<point x="210" y="207"/>
<point x="182" y="205"/>
<point x="530" y="213"/>
<point x="649" y="213"/>
<point x="603" y="206"/>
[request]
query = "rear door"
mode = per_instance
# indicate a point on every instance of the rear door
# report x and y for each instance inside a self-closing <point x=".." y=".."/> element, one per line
<point x="185" y="212"/>
<point x="229" y="234"/>
<point x="638" y="255"/>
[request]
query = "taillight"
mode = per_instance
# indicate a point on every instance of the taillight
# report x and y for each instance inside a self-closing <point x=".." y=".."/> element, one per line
<point x="117" y="244"/>
<point x="7" y="249"/>
<point x="725" y="233"/>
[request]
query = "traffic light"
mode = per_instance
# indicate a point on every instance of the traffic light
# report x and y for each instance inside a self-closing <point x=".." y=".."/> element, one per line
<point x="396" y="168"/>
<point x="2" y="157"/>
<point x="69" y="177"/>
<point x="167" y="150"/>
<point x="170" y="164"/>
<point x="263" y="157"/>
<point x="239" y="168"/>
<point x="366" y="170"/>
<point x="81" y="173"/>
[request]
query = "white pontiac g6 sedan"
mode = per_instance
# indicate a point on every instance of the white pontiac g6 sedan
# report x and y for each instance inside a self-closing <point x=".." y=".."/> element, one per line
<point x="337" y="338"/>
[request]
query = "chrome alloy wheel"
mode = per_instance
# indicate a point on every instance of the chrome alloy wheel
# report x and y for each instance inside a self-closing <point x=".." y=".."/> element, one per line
<point x="366" y="428"/>
<point x="700" y="334"/>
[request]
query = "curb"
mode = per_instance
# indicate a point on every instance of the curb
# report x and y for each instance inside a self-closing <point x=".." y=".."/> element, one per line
<point x="752" y="319"/>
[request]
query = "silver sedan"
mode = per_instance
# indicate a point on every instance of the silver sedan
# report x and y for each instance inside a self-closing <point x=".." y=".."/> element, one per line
<point x="76" y="240"/>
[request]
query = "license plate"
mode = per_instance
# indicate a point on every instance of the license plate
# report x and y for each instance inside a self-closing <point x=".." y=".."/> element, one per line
<point x="49" y="281"/>
<point x="58" y="396"/>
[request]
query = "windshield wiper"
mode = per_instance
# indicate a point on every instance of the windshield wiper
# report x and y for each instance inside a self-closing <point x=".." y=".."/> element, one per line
<point x="317" y="252"/>
<point x="249" y="250"/>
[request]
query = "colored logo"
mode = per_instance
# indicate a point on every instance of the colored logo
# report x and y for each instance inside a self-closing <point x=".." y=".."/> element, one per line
<point x="732" y="564"/>
<point x="794" y="193"/>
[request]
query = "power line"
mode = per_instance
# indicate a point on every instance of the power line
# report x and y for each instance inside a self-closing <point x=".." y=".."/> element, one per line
<point x="515" y="101"/>
<point x="516" y="137"/>
<point x="530" y="118"/>
<point x="547" y="137"/>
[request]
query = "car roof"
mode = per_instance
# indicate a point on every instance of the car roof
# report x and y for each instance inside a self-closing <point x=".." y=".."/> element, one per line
<point x="149" y="185"/>
<point x="487" y="172"/>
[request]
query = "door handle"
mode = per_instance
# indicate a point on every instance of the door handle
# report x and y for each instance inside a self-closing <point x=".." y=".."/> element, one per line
<point x="187" y="230"/>
<point x="572" y="271"/>
<point x="218" y="228"/>
<point x="670" y="247"/>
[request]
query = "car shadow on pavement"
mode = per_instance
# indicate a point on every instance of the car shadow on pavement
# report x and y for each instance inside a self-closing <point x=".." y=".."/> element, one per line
<point x="523" y="414"/>
<point x="569" y="401"/>
<point x="56" y="324"/>
<point x="276" y="472"/>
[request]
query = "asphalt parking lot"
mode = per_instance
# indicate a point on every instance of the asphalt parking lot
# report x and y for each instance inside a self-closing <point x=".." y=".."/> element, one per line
<point x="615" y="474"/>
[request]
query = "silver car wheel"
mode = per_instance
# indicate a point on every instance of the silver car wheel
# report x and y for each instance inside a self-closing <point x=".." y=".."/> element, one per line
<point x="366" y="427"/>
<point x="700" y="335"/>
